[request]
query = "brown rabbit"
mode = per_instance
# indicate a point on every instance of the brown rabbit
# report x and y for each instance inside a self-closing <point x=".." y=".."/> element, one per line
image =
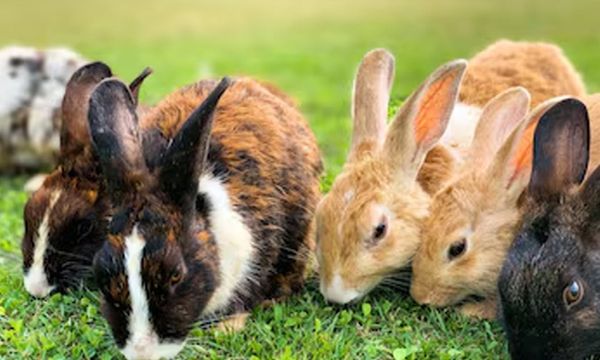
<point x="541" y="68"/>
<point x="65" y="217"/>
<point x="473" y="220"/>
<point x="368" y="225"/>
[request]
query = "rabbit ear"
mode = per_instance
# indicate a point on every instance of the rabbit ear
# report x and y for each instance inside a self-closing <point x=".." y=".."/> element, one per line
<point x="113" y="124"/>
<point x="510" y="168"/>
<point x="560" y="148"/>
<point x="372" y="86"/>
<point x="499" y="118"/>
<point x="185" y="157"/>
<point x="136" y="84"/>
<point x="422" y="119"/>
<point x="74" y="133"/>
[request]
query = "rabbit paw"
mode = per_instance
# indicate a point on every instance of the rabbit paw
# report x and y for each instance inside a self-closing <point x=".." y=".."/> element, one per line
<point x="485" y="309"/>
<point x="234" y="323"/>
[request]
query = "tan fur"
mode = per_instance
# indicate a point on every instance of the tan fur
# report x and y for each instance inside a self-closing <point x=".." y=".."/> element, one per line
<point x="541" y="68"/>
<point x="473" y="205"/>
<point x="378" y="183"/>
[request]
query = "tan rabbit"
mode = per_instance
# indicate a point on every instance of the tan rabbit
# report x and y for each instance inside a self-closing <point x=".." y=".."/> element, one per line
<point x="541" y="68"/>
<point x="368" y="225"/>
<point x="474" y="217"/>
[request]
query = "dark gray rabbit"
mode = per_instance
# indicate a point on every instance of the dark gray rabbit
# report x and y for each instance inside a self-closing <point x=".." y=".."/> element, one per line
<point x="550" y="283"/>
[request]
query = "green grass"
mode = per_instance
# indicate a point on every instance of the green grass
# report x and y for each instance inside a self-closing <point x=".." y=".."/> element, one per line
<point x="310" y="49"/>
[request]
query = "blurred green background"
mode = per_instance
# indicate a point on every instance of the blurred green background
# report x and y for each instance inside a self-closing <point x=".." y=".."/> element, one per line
<point x="310" y="49"/>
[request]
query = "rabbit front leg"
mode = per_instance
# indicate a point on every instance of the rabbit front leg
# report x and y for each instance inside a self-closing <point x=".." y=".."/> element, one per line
<point x="486" y="309"/>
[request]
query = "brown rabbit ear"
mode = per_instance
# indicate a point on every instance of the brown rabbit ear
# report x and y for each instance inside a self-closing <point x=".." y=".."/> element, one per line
<point x="372" y="86"/>
<point x="561" y="148"/>
<point x="184" y="160"/>
<point x="511" y="168"/>
<point x="499" y="118"/>
<point x="74" y="133"/>
<point x="136" y="84"/>
<point x="113" y="124"/>
<point x="422" y="119"/>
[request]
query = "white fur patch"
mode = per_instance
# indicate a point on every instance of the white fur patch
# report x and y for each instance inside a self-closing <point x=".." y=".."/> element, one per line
<point x="337" y="292"/>
<point x="234" y="241"/>
<point x="143" y="342"/>
<point x="461" y="127"/>
<point x="36" y="281"/>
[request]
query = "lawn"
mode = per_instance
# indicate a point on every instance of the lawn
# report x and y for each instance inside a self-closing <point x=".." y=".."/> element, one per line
<point x="310" y="49"/>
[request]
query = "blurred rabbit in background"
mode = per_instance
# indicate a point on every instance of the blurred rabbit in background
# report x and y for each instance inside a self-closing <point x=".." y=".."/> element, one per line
<point x="32" y="84"/>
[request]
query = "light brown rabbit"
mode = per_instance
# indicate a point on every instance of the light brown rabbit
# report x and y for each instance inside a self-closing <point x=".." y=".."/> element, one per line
<point x="474" y="217"/>
<point x="368" y="225"/>
<point x="541" y="68"/>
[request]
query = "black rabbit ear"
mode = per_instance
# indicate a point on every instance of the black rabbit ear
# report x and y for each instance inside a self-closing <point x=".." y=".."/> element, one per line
<point x="113" y="124"/>
<point x="74" y="134"/>
<point x="185" y="157"/>
<point x="136" y="84"/>
<point x="560" y="149"/>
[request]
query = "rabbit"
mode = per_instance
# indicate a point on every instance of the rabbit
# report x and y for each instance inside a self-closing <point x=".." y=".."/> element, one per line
<point x="541" y="68"/>
<point x="33" y="83"/>
<point x="549" y="286"/>
<point x="473" y="219"/>
<point x="212" y="221"/>
<point x="368" y="225"/>
<point x="65" y="218"/>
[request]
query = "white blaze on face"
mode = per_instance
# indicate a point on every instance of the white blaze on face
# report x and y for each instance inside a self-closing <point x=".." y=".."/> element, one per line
<point x="234" y="242"/>
<point x="36" y="280"/>
<point x="143" y="342"/>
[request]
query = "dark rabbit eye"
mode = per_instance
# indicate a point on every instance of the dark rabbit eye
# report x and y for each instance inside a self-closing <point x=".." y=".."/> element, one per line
<point x="379" y="231"/>
<point x="573" y="294"/>
<point x="457" y="249"/>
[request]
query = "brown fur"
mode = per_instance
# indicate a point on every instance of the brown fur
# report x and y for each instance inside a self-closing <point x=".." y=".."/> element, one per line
<point x="491" y="214"/>
<point x="541" y="68"/>
<point x="378" y="184"/>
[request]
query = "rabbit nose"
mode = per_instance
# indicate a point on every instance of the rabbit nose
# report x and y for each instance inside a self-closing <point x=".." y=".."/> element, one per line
<point x="337" y="292"/>
<point x="420" y="295"/>
<point x="144" y="347"/>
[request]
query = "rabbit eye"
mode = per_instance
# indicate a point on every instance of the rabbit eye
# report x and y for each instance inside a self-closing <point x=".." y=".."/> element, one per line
<point x="457" y="249"/>
<point x="175" y="278"/>
<point x="379" y="231"/>
<point x="573" y="294"/>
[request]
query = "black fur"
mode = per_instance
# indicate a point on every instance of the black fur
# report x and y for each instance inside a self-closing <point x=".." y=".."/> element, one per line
<point x="555" y="247"/>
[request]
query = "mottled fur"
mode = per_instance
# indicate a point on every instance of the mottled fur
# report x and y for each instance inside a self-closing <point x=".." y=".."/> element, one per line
<point x="264" y="153"/>
<point x="77" y="219"/>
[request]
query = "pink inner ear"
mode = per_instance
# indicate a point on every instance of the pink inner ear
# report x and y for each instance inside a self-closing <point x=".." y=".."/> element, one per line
<point x="523" y="155"/>
<point x="435" y="101"/>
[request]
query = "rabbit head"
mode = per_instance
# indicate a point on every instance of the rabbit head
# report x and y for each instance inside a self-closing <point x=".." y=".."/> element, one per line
<point x="368" y="225"/>
<point x="65" y="217"/>
<point x="549" y="286"/>
<point x="158" y="267"/>
<point x="474" y="217"/>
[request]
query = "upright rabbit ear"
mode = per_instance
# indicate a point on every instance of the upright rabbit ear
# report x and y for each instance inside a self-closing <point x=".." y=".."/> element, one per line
<point x="499" y="118"/>
<point x="560" y="149"/>
<point x="74" y="133"/>
<point x="185" y="157"/>
<point x="423" y="118"/>
<point x="113" y="124"/>
<point x="510" y="169"/>
<point x="372" y="86"/>
<point x="136" y="84"/>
